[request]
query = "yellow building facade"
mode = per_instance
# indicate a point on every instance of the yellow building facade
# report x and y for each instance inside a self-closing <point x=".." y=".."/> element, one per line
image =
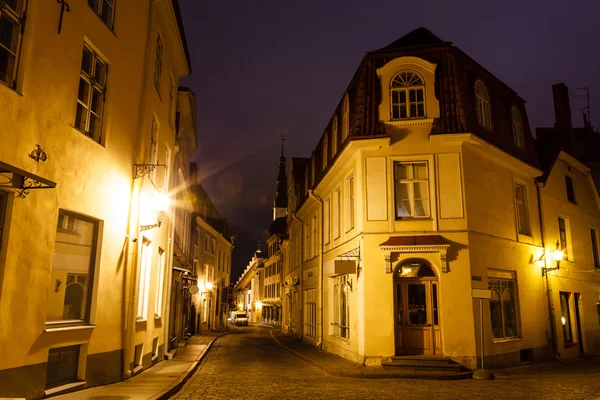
<point x="420" y="196"/>
<point x="87" y="156"/>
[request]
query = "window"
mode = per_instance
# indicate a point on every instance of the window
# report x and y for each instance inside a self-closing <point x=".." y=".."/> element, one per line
<point x="326" y="214"/>
<point x="565" y="316"/>
<point x="408" y="97"/>
<point x="351" y="203"/>
<point x="306" y="244"/>
<point x="207" y="243"/>
<point x="158" y="64"/>
<point x="336" y="214"/>
<point x="503" y="307"/>
<point x="310" y="313"/>
<point x="411" y="189"/>
<point x="521" y="207"/>
<point x="315" y="244"/>
<point x="154" y="146"/>
<point x="345" y="118"/>
<point x="91" y="94"/>
<point x="167" y="167"/>
<point x="172" y="92"/>
<point x="517" y="128"/>
<point x="593" y="234"/>
<point x="334" y="136"/>
<point x="562" y="234"/>
<point x="3" y="201"/>
<point x="570" y="189"/>
<point x="144" y="280"/>
<point x="105" y="9"/>
<point x="325" y="150"/>
<point x="73" y="263"/>
<point x="341" y="319"/>
<point x="212" y="246"/>
<point x="62" y="366"/>
<point x="12" y="26"/>
<point x="482" y="103"/>
<point x="159" y="285"/>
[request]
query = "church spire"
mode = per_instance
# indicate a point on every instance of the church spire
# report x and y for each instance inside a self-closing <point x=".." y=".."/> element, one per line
<point x="281" y="200"/>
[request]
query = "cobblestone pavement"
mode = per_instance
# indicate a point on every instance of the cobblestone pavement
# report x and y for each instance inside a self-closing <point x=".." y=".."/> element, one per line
<point x="248" y="364"/>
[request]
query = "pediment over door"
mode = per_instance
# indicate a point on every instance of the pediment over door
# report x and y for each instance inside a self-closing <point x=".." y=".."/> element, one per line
<point x="415" y="244"/>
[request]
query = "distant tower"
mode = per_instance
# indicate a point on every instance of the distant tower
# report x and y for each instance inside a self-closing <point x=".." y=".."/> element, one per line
<point x="281" y="200"/>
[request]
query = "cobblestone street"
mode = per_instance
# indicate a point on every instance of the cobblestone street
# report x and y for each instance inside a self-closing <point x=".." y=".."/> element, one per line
<point x="248" y="364"/>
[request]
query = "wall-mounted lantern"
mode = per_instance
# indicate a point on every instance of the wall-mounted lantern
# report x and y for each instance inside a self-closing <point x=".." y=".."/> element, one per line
<point x="557" y="255"/>
<point x="160" y="205"/>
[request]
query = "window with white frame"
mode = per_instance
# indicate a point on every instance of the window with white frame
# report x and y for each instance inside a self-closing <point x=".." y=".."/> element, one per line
<point x="3" y="201"/>
<point x="160" y="283"/>
<point x="503" y="304"/>
<point x="411" y="186"/>
<point x="325" y="150"/>
<point x="153" y="146"/>
<point x="517" y="128"/>
<point x="341" y="308"/>
<point x="310" y="313"/>
<point x="158" y="62"/>
<point x="326" y="222"/>
<point x="563" y="237"/>
<point x="73" y="265"/>
<point x="144" y="280"/>
<point x="12" y="27"/>
<point x="345" y="118"/>
<point x="407" y="93"/>
<point x="593" y="235"/>
<point x="91" y="94"/>
<point x="521" y="208"/>
<point x="105" y="9"/>
<point x="350" y="213"/>
<point x="334" y="136"/>
<point x="482" y="106"/>
<point x="336" y="214"/>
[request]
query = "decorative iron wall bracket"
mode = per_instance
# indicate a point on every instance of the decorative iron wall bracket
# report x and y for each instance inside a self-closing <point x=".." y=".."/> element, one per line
<point x="38" y="154"/>
<point x="147" y="227"/>
<point x="142" y="170"/>
<point x="30" y="184"/>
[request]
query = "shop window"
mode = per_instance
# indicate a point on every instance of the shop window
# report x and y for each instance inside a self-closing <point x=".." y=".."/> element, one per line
<point x="503" y="307"/>
<point x="565" y="316"/>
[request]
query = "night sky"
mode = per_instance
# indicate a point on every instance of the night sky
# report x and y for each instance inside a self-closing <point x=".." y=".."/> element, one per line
<point x="261" y="69"/>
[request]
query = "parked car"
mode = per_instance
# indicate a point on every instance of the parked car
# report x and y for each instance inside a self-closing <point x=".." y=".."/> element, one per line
<point x="241" y="319"/>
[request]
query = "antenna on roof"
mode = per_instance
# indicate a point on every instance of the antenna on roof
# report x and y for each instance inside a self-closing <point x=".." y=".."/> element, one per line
<point x="587" y="107"/>
<point x="282" y="143"/>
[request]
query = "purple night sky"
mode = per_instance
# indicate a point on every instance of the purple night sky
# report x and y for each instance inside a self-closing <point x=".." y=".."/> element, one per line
<point x="281" y="67"/>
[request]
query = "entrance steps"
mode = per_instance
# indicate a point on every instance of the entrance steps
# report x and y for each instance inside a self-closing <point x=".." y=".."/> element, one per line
<point x="439" y="364"/>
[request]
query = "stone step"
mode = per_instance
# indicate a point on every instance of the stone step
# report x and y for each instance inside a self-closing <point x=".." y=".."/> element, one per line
<point x="424" y="363"/>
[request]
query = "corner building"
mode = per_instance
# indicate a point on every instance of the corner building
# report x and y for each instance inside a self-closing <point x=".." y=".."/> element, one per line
<point x="421" y="188"/>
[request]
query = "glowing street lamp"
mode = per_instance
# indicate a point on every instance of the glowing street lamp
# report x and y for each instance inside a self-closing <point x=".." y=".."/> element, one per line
<point x="160" y="204"/>
<point x="557" y="255"/>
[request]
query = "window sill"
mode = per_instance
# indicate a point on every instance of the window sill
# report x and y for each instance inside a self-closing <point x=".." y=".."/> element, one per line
<point x="410" y="122"/>
<point x="137" y="370"/>
<point x="58" y="328"/>
<point x="428" y="218"/>
<point x="2" y="83"/>
<point x="64" y="388"/>
<point x="507" y="340"/>
<point x="339" y="339"/>
<point x="570" y="345"/>
<point x="140" y="320"/>
<point x="525" y="238"/>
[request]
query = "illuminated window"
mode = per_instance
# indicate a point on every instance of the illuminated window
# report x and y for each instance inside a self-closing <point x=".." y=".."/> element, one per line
<point x="345" y="118"/>
<point x="503" y="306"/>
<point x="12" y="26"/>
<point x="341" y="308"/>
<point x="144" y="280"/>
<point x="565" y="316"/>
<point x="562" y="235"/>
<point x="158" y="62"/>
<point x="521" y="207"/>
<point x="310" y="313"/>
<point x="105" y="9"/>
<point x="411" y="189"/>
<point x="517" y="128"/>
<point x="482" y="103"/>
<point x="91" y="94"/>
<point x="73" y="264"/>
<point x="407" y="92"/>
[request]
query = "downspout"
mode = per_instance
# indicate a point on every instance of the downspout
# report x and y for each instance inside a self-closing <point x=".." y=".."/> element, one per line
<point x="301" y="262"/>
<point x="129" y="281"/>
<point x="552" y="317"/>
<point x="320" y="201"/>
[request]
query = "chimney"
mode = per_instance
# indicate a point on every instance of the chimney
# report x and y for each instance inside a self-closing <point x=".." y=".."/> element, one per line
<point x="562" y="107"/>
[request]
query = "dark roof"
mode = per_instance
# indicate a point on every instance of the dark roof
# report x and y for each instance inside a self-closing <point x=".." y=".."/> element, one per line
<point x="420" y="37"/>
<point x="278" y="227"/>
<point x="547" y="153"/>
<point x="182" y="33"/>
<point x="299" y="166"/>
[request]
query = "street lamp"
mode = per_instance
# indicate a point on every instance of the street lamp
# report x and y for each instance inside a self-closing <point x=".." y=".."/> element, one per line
<point x="557" y="254"/>
<point x="160" y="204"/>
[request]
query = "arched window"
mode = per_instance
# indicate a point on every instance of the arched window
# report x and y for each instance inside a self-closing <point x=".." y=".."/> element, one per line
<point x="325" y="150"/>
<point x="334" y="136"/>
<point x="503" y="307"/>
<point x="407" y="92"/>
<point x="482" y="103"/>
<point x="341" y="308"/>
<point x="517" y="128"/>
<point x="345" y="118"/>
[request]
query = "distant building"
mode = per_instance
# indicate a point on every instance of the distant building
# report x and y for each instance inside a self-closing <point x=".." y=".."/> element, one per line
<point x="249" y="288"/>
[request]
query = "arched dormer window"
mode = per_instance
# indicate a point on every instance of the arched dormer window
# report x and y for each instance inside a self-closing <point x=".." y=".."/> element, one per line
<point x="334" y="136"/>
<point x="407" y="92"/>
<point x="482" y="104"/>
<point x="517" y="128"/>
<point x="345" y="118"/>
<point x="325" y="150"/>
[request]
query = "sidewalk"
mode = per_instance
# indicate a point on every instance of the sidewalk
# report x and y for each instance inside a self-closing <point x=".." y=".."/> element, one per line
<point x="158" y="382"/>
<point x="338" y="366"/>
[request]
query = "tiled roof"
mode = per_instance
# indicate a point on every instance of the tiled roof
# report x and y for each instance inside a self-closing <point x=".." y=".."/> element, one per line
<point x="419" y="37"/>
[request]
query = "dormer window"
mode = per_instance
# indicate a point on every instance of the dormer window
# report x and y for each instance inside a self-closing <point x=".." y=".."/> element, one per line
<point x="517" y="128"/>
<point x="345" y="118"/>
<point x="334" y="135"/>
<point x="325" y="150"/>
<point x="407" y="92"/>
<point x="482" y="104"/>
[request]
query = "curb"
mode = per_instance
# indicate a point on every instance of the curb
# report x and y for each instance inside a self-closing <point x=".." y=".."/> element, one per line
<point x="358" y="373"/>
<point x="183" y="378"/>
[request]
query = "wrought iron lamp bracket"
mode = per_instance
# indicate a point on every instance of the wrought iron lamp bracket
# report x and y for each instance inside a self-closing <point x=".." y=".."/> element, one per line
<point x="142" y="170"/>
<point x="29" y="184"/>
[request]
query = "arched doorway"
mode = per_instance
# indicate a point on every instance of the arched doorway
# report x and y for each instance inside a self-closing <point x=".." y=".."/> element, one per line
<point x="417" y="317"/>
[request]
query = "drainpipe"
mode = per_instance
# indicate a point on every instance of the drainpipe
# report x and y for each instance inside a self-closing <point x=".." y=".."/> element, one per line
<point x="301" y="262"/>
<point x="320" y="201"/>
<point x="552" y="317"/>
